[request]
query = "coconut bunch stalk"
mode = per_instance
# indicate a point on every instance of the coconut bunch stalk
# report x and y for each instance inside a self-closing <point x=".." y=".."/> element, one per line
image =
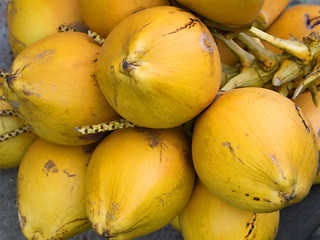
<point x="292" y="71"/>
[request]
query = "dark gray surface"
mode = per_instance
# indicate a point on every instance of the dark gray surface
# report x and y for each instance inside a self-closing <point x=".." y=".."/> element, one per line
<point x="298" y="222"/>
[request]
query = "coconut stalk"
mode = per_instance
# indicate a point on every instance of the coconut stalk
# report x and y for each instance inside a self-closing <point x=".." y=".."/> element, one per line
<point x="105" y="127"/>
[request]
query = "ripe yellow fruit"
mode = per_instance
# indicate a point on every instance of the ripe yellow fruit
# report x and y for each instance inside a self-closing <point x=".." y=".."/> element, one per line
<point x="305" y="102"/>
<point x="137" y="181"/>
<point x="12" y="150"/>
<point x="29" y="21"/>
<point x="52" y="87"/>
<point x="103" y="16"/>
<point x="255" y="149"/>
<point x="51" y="190"/>
<point x="207" y="217"/>
<point x="230" y="14"/>
<point x="160" y="67"/>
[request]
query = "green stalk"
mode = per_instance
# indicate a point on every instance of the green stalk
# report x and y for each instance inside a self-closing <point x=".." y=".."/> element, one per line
<point x="294" y="47"/>
<point x="265" y="56"/>
<point x="246" y="59"/>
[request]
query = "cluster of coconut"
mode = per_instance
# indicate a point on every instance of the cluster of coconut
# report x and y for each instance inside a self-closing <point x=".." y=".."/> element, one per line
<point x="140" y="122"/>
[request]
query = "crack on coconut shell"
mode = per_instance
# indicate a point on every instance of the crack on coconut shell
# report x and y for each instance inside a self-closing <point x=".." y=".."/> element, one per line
<point x="303" y="121"/>
<point x="188" y="25"/>
<point x="251" y="224"/>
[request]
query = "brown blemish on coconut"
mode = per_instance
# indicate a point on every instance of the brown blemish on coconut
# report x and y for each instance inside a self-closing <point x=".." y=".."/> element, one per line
<point x="46" y="53"/>
<point x="311" y="22"/>
<point x="68" y="174"/>
<point x="153" y="138"/>
<point x="228" y="145"/>
<point x="50" y="166"/>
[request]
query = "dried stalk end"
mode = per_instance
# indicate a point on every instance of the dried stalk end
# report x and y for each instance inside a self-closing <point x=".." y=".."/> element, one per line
<point x="8" y="112"/>
<point x="96" y="37"/>
<point x="104" y="127"/>
<point x="64" y="28"/>
<point x="14" y="133"/>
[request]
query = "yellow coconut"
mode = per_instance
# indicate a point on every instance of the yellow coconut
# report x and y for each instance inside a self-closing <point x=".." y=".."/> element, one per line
<point x="52" y="87"/>
<point x="13" y="149"/>
<point x="269" y="12"/>
<point x="207" y="217"/>
<point x="255" y="149"/>
<point x="305" y="102"/>
<point x="51" y="190"/>
<point x="103" y="16"/>
<point x="29" y="21"/>
<point x="138" y="180"/>
<point x="160" y="67"/>
<point x="228" y="14"/>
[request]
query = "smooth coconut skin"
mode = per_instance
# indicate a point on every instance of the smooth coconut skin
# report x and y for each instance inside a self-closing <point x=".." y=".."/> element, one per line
<point x="103" y="16"/>
<point x="207" y="217"/>
<point x="228" y="14"/>
<point x="305" y="102"/>
<point x="51" y="190"/>
<point x="52" y="87"/>
<point x="137" y="181"/>
<point x="160" y="67"/>
<point x="295" y="22"/>
<point x="12" y="150"/>
<point x="255" y="149"/>
<point x="29" y="21"/>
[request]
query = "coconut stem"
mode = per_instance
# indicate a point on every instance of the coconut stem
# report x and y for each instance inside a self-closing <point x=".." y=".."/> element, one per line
<point x="8" y="112"/>
<point x="294" y="47"/>
<point x="310" y="78"/>
<point x="14" y="133"/>
<point x="246" y="59"/>
<point x="104" y="127"/>
<point x="96" y="37"/>
<point x="64" y="28"/>
<point x="285" y="88"/>
<point x="228" y="73"/>
<point x="265" y="56"/>
<point x="314" y="93"/>
<point x="289" y="70"/>
<point x="248" y="77"/>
